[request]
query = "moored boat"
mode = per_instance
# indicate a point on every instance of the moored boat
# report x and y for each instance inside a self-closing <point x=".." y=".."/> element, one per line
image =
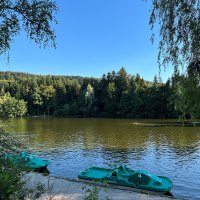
<point x="28" y="161"/>
<point x="123" y="176"/>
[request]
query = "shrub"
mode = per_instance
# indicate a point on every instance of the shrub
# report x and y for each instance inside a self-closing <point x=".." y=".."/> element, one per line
<point x="13" y="179"/>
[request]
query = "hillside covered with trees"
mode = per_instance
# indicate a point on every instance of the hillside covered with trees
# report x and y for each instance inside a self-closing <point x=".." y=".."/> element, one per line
<point x="116" y="94"/>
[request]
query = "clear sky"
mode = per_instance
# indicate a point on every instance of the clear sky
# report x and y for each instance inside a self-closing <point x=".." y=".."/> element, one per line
<point x="93" y="37"/>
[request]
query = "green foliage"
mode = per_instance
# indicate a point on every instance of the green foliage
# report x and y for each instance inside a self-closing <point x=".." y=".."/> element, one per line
<point x="10" y="181"/>
<point x="116" y="94"/>
<point x="193" y="88"/>
<point x="37" y="99"/>
<point x="8" y="143"/>
<point x="91" y="192"/>
<point x="13" y="179"/>
<point x="13" y="183"/>
<point x="88" y="101"/>
<point x="180" y="96"/>
<point x="35" y="17"/>
<point x="187" y="92"/>
<point x="180" y="45"/>
<point x="63" y="111"/>
<point x="179" y="31"/>
<point x="110" y="99"/>
<point x="11" y="107"/>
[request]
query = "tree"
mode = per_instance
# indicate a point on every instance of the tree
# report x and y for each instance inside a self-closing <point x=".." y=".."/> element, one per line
<point x="179" y="31"/>
<point x="37" y="98"/>
<point x="121" y="82"/>
<point x="34" y="16"/>
<point x="187" y="90"/>
<point x="180" y="45"/>
<point x="11" y="107"/>
<point x="87" y="100"/>
<point x="124" y="105"/>
<point x="193" y="88"/>
<point x="60" y="93"/>
<point x="48" y="93"/>
<point x="110" y="99"/>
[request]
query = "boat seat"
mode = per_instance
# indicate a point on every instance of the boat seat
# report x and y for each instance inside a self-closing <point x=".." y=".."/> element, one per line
<point x="123" y="168"/>
<point x="120" y="172"/>
<point x="114" y="173"/>
<point x="124" y="172"/>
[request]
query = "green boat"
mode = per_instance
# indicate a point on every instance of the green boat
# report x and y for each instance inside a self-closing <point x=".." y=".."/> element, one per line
<point x="124" y="176"/>
<point x="28" y="161"/>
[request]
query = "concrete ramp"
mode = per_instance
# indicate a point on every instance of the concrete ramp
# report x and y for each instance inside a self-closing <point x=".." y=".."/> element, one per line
<point x="63" y="189"/>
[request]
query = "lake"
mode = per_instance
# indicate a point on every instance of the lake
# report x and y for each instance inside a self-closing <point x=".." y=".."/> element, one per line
<point x="163" y="147"/>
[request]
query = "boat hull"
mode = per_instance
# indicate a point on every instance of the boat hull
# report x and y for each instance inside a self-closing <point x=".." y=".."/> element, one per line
<point x="140" y="179"/>
<point x="28" y="161"/>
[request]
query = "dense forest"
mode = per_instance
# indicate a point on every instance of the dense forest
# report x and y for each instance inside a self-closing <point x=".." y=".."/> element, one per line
<point x="115" y="94"/>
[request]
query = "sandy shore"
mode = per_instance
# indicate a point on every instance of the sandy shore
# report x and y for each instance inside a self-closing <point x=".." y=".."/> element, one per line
<point x="62" y="189"/>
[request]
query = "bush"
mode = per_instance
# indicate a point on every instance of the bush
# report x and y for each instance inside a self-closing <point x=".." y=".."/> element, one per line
<point x="13" y="179"/>
<point x="11" y="107"/>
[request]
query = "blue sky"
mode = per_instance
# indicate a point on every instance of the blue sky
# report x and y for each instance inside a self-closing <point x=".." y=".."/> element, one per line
<point x="93" y="37"/>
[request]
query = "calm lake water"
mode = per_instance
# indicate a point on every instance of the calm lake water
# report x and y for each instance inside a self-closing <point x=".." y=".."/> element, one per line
<point x="161" y="146"/>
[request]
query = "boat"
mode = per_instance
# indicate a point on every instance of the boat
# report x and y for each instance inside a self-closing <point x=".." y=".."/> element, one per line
<point x="28" y="161"/>
<point x="123" y="176"/>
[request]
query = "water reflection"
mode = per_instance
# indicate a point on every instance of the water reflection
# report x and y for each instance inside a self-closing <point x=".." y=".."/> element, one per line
<point x="75" y="144"/>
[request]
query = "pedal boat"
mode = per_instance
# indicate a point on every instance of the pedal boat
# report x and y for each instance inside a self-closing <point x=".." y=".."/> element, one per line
<point x="124" y="176"/>
<point x="28" y="161"/>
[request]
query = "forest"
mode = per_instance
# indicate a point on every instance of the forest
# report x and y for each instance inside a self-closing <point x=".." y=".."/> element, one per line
<point x="115" y="94"/>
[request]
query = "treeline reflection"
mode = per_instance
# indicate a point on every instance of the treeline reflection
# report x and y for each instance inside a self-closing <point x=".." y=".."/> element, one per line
<point x="114" y="139"/>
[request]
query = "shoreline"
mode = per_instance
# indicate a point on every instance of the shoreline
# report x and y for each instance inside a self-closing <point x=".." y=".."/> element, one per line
<point x="68" y="189"/>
